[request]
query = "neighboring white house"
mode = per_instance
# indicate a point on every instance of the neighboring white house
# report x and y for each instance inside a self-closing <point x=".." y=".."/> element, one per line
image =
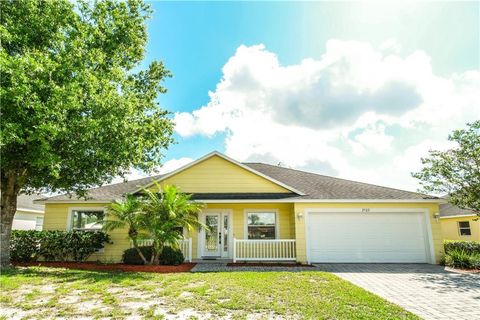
<point x="29" y="215"/>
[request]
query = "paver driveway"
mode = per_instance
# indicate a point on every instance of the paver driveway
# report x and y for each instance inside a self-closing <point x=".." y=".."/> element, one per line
<point x="426" y="290"/>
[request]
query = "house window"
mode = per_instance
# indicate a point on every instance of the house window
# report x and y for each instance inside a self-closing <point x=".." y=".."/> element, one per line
<point x="261" y="225"/>
<point x="87" y="219"/>
<point x="464" y="228"/>
<point x="39" y="223"/>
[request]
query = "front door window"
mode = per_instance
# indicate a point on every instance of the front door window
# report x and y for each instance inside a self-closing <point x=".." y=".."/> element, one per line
<point x="216" y="236"/>
<point x="212" y="234"/>
<point x="225" y="235"/>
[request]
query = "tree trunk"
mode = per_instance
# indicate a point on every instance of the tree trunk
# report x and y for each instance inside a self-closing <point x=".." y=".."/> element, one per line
<point x="140" y="253"/>
<point x="156" y="255"/>
<point x="9" y="193"/>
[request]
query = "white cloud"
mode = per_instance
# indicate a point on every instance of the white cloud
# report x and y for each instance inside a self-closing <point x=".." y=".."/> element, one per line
<point x="174" y="164"/>
<point x="372" y="139"/>
<point x="357" y="111"/>
<point x="167" y="167"/>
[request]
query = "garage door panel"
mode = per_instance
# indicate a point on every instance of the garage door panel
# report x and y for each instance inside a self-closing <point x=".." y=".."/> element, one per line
<point x="367" y="237"/>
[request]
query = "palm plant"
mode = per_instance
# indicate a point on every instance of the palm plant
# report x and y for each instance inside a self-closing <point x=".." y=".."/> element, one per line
<point x="165" y="210"/>
<point x="127" y="213"/>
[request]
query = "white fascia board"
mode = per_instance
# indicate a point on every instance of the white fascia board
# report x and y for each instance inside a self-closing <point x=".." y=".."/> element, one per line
<point x="30" y="210"/>
<point x="321" y="201"/>
<point x="275" y="201"/>
<point x="72" y="201"/>
<point x="459" y="216"/>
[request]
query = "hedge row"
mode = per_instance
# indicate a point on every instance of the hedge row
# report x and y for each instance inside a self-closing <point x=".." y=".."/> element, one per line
<point x="54" y="245"/>
<point x="169" y="256"/>
<point x="467" y="246"/>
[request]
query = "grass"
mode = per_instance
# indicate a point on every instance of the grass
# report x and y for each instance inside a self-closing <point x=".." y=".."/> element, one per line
<point x="38" y="292"/>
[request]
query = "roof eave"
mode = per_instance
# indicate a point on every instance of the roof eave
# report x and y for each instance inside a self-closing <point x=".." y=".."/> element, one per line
<point x="290" y="200"/>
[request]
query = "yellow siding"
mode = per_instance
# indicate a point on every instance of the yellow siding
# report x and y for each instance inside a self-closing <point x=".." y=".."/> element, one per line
<point x="56" y="218"/>
<point x="290" y="226"/>
<point x="431" y="207"/>
<point x="450" y="228"/>
<point x="216" y="174"/>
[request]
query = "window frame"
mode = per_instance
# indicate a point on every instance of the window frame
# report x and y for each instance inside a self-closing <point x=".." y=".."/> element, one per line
<point x="464" y="228"/>
<point x="71" y="210"/>
<point x="39" y="227"/>
<point x="277" y="224"/>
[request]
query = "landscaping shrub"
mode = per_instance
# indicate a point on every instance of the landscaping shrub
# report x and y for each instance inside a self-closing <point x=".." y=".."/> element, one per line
<point x="55" y="245"/>
<point x="24" y="245"/>
<point x="131" y="256"/>
<point x="168" y="256"/>
<point x="459" y="258"/>
<point x="467" y="246"/>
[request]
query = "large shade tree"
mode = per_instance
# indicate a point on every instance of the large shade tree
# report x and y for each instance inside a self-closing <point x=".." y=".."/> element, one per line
<point x="76" y="107"/>
<point x="456" y="172"/>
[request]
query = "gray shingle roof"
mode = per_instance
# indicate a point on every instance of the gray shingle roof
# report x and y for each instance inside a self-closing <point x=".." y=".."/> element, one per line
<point x="449" y="210"/>
<point x="25" y="201"/>
<point x="314" y="186"/>
<point x="109" y="192"/>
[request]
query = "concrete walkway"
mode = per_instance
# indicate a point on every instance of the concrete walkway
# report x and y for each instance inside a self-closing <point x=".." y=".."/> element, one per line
<point x="223" y="267"/>
<point x="426" y="290"/>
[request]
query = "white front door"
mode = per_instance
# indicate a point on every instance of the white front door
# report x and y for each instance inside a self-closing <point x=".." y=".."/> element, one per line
<point x="216" y="239"/>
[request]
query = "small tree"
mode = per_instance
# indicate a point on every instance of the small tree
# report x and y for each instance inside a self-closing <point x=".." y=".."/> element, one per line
<point x="76" y="110"/>
<point x="126" y="214"/>
<point x="456" y="172"/>
<point x="165" y="211"/>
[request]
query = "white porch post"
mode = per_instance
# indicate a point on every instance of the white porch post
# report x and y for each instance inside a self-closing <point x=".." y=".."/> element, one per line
<point x="190" y="249"/>
<point x="234" y="250"/>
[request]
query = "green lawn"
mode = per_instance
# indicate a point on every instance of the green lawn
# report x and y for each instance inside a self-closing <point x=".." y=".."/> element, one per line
<point x="41" y="293"/>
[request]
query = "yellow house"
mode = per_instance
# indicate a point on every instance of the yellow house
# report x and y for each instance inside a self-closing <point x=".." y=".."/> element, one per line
<point x="459" y="224"/>
<point x="258" y="212"/>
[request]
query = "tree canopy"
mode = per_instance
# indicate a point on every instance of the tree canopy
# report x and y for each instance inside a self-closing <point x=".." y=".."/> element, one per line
<point x="78" y="107"/>
<point x="75" y="111"/>
<point x="456" y="172"/>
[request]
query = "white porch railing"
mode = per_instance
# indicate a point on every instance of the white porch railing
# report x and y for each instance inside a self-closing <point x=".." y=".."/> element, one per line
<point x="264" y="250"/>
<point x="184" y="245"/>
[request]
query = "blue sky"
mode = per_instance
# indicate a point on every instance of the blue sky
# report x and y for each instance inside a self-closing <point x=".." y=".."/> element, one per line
<point x="356" y="121"/>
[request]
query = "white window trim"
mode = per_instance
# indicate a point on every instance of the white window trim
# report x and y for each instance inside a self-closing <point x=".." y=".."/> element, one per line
<point x="70" y="219"/>
<point x="460" y="228"/>
<point x="38" y="225"/>
<point x="70" y="215"/>
<point x="277" y="222"/>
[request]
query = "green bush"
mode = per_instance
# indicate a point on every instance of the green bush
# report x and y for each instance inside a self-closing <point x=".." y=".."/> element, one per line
<point x="467" y="246"/>
<point x="25" y="245"/>
<point x="168" y="256"/>
<point x="55" y="245"/>
<point x="131" y="256"/>
<point x="459" y="258"/>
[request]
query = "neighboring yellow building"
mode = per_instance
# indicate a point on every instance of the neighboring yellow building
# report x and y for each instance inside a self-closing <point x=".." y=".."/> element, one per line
<point x="261" y="212"/>
<point x="459" y="224"/>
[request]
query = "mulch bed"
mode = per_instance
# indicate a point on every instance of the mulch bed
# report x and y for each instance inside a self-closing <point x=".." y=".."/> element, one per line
<point x="184" y="267"/>
<point x="266" y="264"/>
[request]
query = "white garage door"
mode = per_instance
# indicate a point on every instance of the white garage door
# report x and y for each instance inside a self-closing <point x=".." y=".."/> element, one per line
<point x="367" y="237"/>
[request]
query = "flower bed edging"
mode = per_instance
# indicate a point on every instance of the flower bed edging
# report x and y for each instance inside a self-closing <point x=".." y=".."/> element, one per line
<point x="184" y="267"/>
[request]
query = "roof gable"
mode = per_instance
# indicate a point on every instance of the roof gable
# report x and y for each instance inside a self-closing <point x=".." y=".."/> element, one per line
<point x="216" y="173"/>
